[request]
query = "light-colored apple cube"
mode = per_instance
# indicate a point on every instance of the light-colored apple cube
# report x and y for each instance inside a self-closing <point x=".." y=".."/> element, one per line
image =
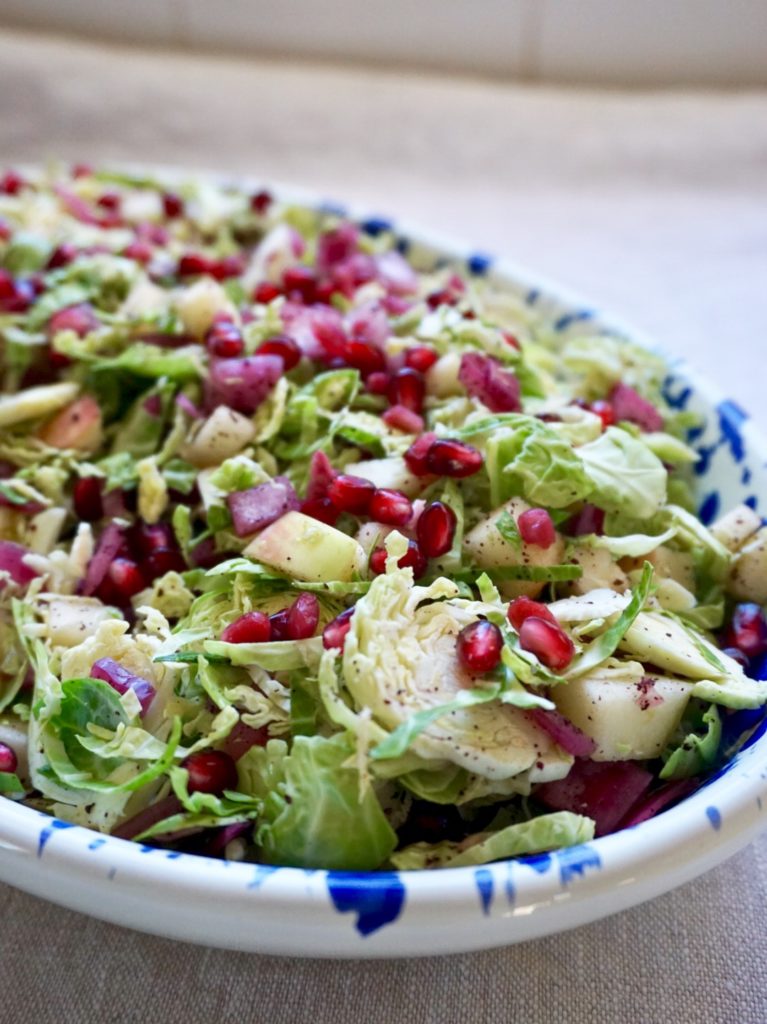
<point x="223" y="434"/>
<point x="306" y="549"/>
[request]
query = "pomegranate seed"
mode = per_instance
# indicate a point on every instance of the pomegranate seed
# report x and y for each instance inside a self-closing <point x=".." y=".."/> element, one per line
<point x="62" y="256"/>
<point x="549" y="643"/>
<point x="479" y="647"/>
<point x="161" y="561"/>
<point x="435" y="529"/>
<point x="748" y="630"/>
<point x="224" y="340"/>
<point x="604" y="410"/>
<point x="421" y="358"/>
<point x="140" y="252"/>
<point x="536" y="528"/>
<point x="590" y="519"/>
<point x="5" y="230"/>
<point x="322" y="509"/>
<point x="123" y="579"/>
<point x="736" y="655"/>
<point x="261" y="201"/>
<point x="326" y="292"/>
<point x="413" y="559"/>
<point x="251" y="628"/>
<point x="417" y="453"/>
<point x="146" y="538"/>
<point x="80" y="319"/>
<point x="86" y="498"/>
<point x="192" y="264"/>
<point x="228" y="266"/>
<point x="279" y="625"/>
<point x="15" y="296"/>
<point x="172" y="205"/>
<point x="282" y="346"/>
<point x="7" y="285"/>
<point x="8" y="760"/>
<point x="12" y="183"/>
<point x="300" y="282"/>
<point x="522" y="608"/>
<point x="511" y="340"/>
<point x="210" y="771"/>
<point x="390" y="507"/>
<point x="443" y="297"/>
<point x="453" y="458"/>
<point x="334" y="634"/>
<point x="400" y="418"/>
<point x="351" y="494"/>
<point x="110" y="201"/>
<point x="364" y="357"/>
<point x="265" y="292"/>
<point x="303" y="617"/>
<point x="377" y="383"/>
<point x="81" y="170"/>
<point x="408" y="388"/>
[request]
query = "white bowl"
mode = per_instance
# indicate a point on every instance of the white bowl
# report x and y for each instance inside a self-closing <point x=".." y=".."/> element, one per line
<point x="387" y="914"/>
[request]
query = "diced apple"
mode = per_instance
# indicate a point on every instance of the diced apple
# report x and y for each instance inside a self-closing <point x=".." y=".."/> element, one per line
<point x="391" y="473"/>
<point x="44" y="529"/>
<point x="599" y="571"/>
<point x="307" y="549"/>
<point x="630" y="715"/>
<point x="748" y="576"/>
<point x="735" y="527"/>
<point x="442" y="378"/>
<point x="673" y="565"/>
<point x="72" y="621"/>
<point x="487" y="549"/>
<point x="223" y="434"/>
<point x="76" y="427"/>
<point x="198" y="304"/>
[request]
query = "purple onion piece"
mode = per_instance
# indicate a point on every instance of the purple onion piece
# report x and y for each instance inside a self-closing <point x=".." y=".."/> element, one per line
<point x="147" y="817"/>
<point x="122" y="680"/>
<point x="185" y="403"/>
<point x="12" y="562"/>
<point x="109" y="546"/>
<point x="658" y="801"/>
<point x="259" y="506"/>
<point x="222" y="837"/>
<point x="484" y="378"/>
<point x="603" y="790"/>
<point x="568" y="736"/>
<point x="242" y="738"/>
<point x="242" y="384"/>
<point x="629" y="405"/>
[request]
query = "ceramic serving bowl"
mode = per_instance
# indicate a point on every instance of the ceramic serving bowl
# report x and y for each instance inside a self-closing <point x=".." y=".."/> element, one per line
<point x="386" y="914"/>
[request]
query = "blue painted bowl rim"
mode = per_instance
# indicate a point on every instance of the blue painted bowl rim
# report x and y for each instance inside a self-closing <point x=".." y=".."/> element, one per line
<point x="679" y="841"/>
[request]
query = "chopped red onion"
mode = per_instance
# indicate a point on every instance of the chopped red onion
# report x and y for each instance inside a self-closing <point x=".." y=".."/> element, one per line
<point x="122" y="679"/>
<point x="603" y="790"/>
<point x="111" y="543"/>
<point x="242" y="738"/>
<point x="12" y="561"/>
<point x="335" y="246"/>
<point x="242" y="384"/>
<point x="658" y="801"/>
<point x="484" y="378"/>
<point x="321" y="476"/>
<point x="149" y="816"/>
<point x="259" y="506"/>
<point x="568" y="736"/>
<point x="187" y="405"/>
<point x="629" y="405"/>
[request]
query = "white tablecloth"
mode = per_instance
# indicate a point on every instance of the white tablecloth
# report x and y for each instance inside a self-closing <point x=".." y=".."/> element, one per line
<point x="652" y="204"/>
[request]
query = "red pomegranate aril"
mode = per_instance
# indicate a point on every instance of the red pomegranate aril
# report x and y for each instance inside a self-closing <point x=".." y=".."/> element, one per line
<point x="377" y="561"/>
<point x="537" y="528"/>
<point x="278" y="622"/>
<point x="210" y="771"/>
<point x="192" y="264"/>
<point x="351" y="494"/>
<point x="261" y="201"/>
<point x="86" y="498"/>
<point x="300" y="281"/>
<point x="604" y="410"/>
<point x="224" y="340"/>
<point x="303" y="617"/>
<point x="226" y="267"/>
<point x="81" y="319"/>
<point x="421" y="357"/>
<point x="748" y="630"/>
<point x="453" y="458"/>
<point x="161" y="561"/>
<point x="123" y="579"/>
<point x="110" y="201"/>
<point x="377" y="383"/>
<point x="18" y="298"/>
<point x="322" y="509"/>
<point x="62" y="256"/>
<point x="401" y="418"/>
<point x="414" y="559"/>
<point x="479" y="646"/>
<point x="435" y="529"/>
<point x="407" y="387"/>
<point x="511" y="340"/>
<point x="416" y="455"/>
<point x="265" y="292"/>
<point x="362" y="356"/>
<point x="443" y="297"/>
<point x="251" y="628"/>
<point x="549" y="643"/>
<point x="139" y="252"/>
<point x="334" y="634"/>
<point x="284" y="347"/>
<point x="146" y="538"/>
<point x="737" y="655"/>
<point x="172" y="205"/>
<point x="522" y="608"/>
<point x="391" y="507"/>
<point x="8" y="760"/>
<point x="12" y="183"/>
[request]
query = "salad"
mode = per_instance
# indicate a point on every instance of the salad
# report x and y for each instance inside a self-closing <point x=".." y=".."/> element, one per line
<point x="314" y="552"/>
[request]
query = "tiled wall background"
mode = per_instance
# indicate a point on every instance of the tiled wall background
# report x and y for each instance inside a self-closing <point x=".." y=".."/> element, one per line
<point x="606" y="42"/>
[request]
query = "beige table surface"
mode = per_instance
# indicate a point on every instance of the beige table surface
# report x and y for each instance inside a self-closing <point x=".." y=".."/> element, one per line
<point x="651" y="204"/>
